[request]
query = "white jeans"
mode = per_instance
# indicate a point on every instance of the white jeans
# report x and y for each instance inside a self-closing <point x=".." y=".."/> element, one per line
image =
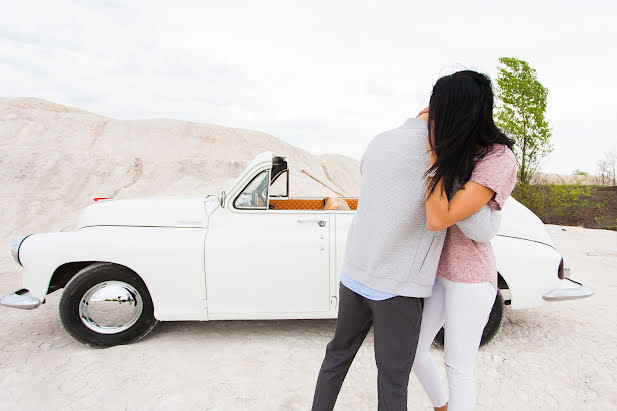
<point x="464" y="308"/>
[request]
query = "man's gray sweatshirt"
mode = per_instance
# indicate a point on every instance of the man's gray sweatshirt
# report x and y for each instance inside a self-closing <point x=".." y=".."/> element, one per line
<point x="388" y="245"/>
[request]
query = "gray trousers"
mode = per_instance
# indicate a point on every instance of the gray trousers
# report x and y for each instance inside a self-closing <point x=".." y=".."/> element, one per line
<point x="396" y="322"/>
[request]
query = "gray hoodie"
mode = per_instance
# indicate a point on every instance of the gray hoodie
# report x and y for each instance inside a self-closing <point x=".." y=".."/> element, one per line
<point x="388" y="246"/>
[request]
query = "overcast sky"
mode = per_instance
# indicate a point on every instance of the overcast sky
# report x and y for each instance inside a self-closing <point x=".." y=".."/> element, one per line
<point x="323" y="75"/>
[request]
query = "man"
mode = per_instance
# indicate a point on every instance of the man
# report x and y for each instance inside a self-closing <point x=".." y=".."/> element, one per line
<point x="389" y="265"/>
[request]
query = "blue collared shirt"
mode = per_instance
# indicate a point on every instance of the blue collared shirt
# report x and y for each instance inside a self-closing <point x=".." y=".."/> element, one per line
<point x="363" y="290"/>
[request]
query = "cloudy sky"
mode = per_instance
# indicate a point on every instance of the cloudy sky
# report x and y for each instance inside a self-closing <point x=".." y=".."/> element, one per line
<point x="323" y="75"/>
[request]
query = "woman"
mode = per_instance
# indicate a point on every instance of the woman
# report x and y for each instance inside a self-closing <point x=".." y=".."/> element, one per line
<point x="471" y="165"/>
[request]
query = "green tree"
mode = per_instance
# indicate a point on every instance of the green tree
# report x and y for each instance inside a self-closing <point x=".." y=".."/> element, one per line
<point x="520" y="113"/>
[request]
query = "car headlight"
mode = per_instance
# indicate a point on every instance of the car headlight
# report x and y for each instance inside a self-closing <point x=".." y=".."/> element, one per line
<point x="15" y="248"/>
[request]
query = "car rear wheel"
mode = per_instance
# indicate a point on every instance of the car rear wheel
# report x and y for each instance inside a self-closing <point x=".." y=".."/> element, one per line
<point x="106" y="304"/>
<point x="492" y="325"/>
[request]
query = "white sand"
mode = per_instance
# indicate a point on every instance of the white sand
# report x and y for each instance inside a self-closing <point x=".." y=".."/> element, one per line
<point x="559" y="356"/>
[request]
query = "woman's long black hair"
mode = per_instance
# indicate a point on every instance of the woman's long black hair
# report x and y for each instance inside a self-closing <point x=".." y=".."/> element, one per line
<point x="460" y="122"/>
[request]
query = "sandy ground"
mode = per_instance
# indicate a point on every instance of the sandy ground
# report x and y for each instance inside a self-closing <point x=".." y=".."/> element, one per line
<point x="558" y="356"/>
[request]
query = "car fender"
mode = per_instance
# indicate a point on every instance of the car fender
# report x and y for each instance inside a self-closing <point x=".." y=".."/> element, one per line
<point x="528" y="267"/>
<point x="169" y="260"/>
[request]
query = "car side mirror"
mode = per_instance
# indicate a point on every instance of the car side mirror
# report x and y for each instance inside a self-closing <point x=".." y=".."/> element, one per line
<point x="222" y="198"/>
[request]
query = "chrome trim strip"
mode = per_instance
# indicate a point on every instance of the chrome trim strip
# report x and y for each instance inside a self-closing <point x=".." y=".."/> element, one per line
<point x="526" y="239"/>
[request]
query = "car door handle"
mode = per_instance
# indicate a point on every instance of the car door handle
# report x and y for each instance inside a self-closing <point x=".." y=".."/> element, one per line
<point x="322" y="223"/>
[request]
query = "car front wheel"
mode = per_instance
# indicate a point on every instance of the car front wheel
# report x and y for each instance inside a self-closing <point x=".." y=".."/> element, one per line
<point x="106" y="304"/>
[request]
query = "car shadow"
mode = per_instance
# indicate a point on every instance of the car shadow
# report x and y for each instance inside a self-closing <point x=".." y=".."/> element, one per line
<point x="233" y="329"/>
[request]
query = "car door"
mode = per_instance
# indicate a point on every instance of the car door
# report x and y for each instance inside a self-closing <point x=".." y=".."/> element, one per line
<point x="266" y="263"/>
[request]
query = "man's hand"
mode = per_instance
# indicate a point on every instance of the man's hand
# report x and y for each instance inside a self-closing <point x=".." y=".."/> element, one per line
<point x="423" y="115"/>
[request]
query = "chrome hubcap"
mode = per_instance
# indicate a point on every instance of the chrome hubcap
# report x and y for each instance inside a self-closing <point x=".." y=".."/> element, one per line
<point x="110" y="307"/>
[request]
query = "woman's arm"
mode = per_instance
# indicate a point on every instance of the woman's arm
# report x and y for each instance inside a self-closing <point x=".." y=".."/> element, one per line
<point x="441" y="213"/>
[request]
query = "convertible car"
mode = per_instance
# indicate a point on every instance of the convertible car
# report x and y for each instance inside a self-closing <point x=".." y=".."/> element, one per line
<point x="251" y="252"/>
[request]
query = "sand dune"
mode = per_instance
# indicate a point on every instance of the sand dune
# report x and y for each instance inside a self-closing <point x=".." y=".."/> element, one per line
<point x="58" y="158"/>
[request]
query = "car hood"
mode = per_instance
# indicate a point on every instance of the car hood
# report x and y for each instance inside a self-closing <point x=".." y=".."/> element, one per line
<point x="520" y="222"/>
<point x="146" y="212"/>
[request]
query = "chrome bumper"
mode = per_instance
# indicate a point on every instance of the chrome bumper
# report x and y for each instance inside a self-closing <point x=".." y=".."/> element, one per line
<point x="569" y="290"/>
<point x="20" y="299"/>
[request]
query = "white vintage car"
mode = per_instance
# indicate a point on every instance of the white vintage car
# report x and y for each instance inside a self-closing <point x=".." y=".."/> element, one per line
<point x="251" y="252"/>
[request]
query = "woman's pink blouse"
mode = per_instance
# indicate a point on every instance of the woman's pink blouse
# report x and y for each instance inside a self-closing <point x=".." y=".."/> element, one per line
<point x="463" y="259"/>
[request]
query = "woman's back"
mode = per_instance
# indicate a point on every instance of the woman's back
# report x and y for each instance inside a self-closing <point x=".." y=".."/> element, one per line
<point x="465" y="260"/>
